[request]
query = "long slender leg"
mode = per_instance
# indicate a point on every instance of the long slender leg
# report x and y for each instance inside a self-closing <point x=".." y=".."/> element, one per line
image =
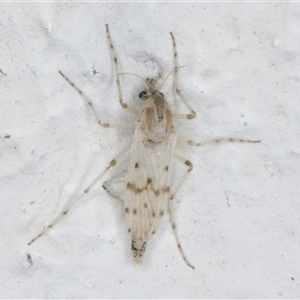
<point x="171" y="208"/>
<point x="70" y="204"/>
<point x="113" y="53"/>
<point x="90" y="104"/>
<point x="216" y="141"/>
<point x="188" y="171"/>
<point x="222" y="140"/>
<point x="190" y="165"/>
<point x="192" y="113"/>
<point x="172" y="220"/>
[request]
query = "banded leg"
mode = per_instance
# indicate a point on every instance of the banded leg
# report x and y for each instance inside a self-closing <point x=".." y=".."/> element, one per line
<point x="90" y="104"/>
<point x="222" y="140"/>
<point x="171" y="207"/>
<point x="190" y="168"/>
<point x="192" y="113"/>
<point x="86" y="190"/>
<point x="113" y="53"/>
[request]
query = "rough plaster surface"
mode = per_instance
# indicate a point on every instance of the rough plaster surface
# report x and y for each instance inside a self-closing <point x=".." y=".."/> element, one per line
<point x="237" y="213"/>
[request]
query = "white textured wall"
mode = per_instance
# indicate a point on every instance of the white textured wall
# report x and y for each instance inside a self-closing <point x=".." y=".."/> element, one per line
<point x="237" y="213"/>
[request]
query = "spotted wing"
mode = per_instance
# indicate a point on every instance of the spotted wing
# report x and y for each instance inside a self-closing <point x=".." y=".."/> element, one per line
<point x="148" y="189"/>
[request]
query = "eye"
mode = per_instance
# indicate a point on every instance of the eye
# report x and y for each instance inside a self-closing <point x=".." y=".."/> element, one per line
<point x="142" y="93"/>
<point x="162" y="94"/>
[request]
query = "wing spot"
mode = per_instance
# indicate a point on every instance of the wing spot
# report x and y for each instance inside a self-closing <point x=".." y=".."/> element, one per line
<point x="136" y="165"/>
<point x="127" y="210"/>
<point x="149" y="180"/>
<point x="153" y="214"/>
<point x="134" y="211"/>
<point x="145" y="205"/>
<point x="156" y="193"/>
<point x="166" y="168"/>
<point x="130" y="186"/>
<point x="133" y="188"/>
<point x="129" y="230"/>
<point x="161" y="213"/>
<point x="166" y="189"/>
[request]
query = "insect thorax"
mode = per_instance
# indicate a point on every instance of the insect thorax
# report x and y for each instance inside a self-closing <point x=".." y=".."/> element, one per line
<point x="156" y="121"/>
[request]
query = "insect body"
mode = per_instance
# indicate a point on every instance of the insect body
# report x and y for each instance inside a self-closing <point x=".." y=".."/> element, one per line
<point x="149" y="174"/>
<point x="147" y="191"/>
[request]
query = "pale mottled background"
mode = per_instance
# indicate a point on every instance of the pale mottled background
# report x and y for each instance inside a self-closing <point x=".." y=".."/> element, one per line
<point x="237" y="213"/>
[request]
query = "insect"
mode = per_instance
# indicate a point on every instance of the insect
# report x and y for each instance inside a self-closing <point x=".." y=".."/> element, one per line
<point x="147" y="191"/>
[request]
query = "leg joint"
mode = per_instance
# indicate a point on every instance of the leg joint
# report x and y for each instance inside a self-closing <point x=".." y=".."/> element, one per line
<point x="190" y="165"/>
